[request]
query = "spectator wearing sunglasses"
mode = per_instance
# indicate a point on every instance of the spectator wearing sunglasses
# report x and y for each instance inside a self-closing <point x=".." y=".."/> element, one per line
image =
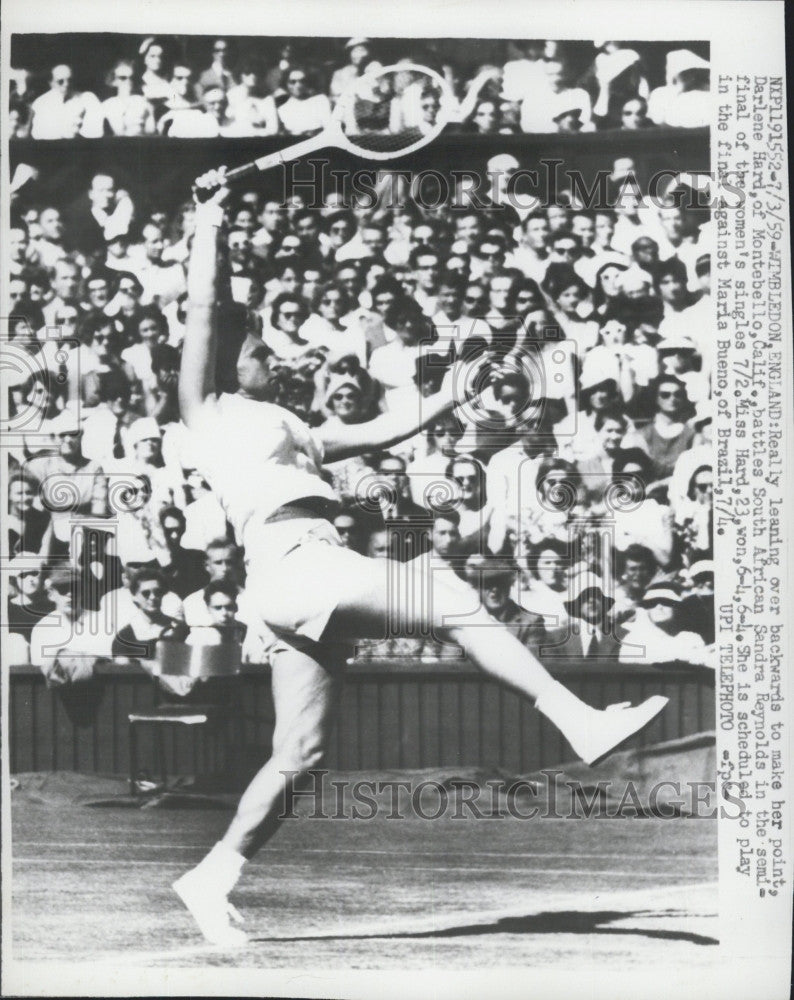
<point x="668" y="434"/>
<point x="127" y="112"/>
<point x="304" y="112"/>
<point x="63" y="112"/>
<point x="148" y="624"/>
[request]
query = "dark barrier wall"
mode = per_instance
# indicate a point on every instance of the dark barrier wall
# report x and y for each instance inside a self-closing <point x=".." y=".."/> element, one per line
<point x="158" y="171"/>
<point x="398" y="715"/>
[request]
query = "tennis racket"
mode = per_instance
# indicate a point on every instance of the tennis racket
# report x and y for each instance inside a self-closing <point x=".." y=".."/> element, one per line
<point x="388" y="112"/>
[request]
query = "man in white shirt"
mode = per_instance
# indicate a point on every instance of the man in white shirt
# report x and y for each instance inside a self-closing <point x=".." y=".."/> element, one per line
<point x="65" y="283"/>
<point x="62" y="112"/>
<point x="67" y="643"/>
<point x="163" y="282"/>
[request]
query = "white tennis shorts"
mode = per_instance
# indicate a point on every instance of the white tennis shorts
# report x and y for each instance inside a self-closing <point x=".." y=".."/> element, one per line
<point x="298" y="572"/>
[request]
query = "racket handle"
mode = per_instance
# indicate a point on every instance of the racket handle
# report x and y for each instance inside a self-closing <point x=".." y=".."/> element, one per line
<point x="281" y="156"/>
<point x="240" y="172"/>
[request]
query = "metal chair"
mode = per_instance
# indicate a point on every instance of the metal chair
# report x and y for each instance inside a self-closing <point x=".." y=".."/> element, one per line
<point x="215" y="665"/>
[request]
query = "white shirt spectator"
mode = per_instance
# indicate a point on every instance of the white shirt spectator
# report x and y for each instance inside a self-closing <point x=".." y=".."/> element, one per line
<point x="56" y="117"/>
<point x="310" y="115"/>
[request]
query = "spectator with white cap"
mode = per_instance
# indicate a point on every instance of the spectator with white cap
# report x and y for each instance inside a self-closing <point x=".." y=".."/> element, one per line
<point x="359" y="53"/>
<point x="684" y="101"/>
<point x="618" y="76"/>
<point x="69" y="475"/>
<point x="678" y="356"/>
<point x="535" y="114"/>
<point x="655" y="634"/>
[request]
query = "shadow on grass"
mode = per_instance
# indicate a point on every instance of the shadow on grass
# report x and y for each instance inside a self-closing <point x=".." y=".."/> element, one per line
<point x="558" y="922"/>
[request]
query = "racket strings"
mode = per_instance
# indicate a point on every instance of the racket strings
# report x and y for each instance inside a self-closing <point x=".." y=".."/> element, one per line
<point x="392" y="111"/>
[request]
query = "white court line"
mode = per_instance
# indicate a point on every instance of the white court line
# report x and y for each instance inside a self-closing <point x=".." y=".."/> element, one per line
<point x="439" y="922"/>
<point x="349" y="850"/>
<point x="122" y="862"/>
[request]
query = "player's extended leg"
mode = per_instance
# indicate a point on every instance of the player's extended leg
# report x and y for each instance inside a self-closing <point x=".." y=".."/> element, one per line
<point x="447" y="612"/>
<point x="305" y="696"/>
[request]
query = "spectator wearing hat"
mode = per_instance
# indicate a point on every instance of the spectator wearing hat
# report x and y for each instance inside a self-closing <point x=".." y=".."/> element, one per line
<point x="668" y="434"/>
<point x="678" y="356"/>
<point x="67" y="643"/>
<point x="697" y="610"/>
<point x="656" y="634"/>
<point x="148" y="623"/>
<point x="684" y="101"/>
<point x="358" y="52"/>
<point x="494" y="580"/>
<point x="552" y="92"/>
<point x="27" y="602"/>
<point x="618" y="76"/>
<point x="87" y="480"/>
<point x="63" y="112"/>
<point x="591" y="634"/>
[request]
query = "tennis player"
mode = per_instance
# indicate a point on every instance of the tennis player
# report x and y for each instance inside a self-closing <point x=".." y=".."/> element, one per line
<point x="265" y="465"/>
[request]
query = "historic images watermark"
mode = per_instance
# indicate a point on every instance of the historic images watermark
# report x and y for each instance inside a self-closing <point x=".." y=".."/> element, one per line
<point x="520" y="188"/>
<point x="547" y="795"/>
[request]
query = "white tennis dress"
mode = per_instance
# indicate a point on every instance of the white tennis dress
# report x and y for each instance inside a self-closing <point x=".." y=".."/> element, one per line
<point x="257" y="457"/>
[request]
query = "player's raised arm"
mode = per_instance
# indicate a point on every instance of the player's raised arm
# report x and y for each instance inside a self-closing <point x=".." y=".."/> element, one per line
<point x="197" y="371"/>
<point x="345" y="440"/>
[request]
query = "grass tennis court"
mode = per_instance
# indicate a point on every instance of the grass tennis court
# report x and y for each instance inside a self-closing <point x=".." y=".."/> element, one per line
<point x="93" y="884"/>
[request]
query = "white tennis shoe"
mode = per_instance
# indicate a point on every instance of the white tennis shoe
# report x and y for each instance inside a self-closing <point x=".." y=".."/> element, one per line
<point x="607" y="730"/>
<point x="211" y="910"/>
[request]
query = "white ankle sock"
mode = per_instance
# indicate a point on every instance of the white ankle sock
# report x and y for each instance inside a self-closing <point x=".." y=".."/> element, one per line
<point x="222" y="866"/>
<point x="568" y="713"/>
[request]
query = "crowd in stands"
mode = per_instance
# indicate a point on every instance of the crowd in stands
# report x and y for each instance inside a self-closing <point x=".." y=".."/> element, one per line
<point x="538" y="86"/>
<point x="575" y="488"/>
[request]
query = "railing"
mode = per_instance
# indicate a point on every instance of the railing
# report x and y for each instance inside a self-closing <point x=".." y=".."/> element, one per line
<point x="158" y="171"/>
<point x="394" y="714"/>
